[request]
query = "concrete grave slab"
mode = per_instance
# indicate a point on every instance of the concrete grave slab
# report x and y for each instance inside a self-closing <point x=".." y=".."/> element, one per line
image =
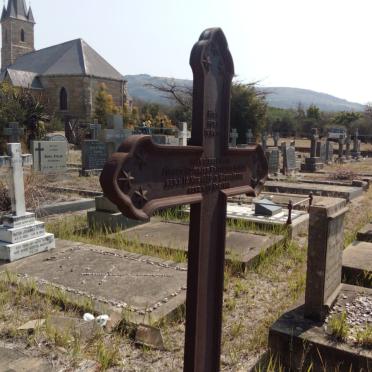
<point x="357" y="264"/>
<point x="12" y="360"/>
<point x="293" y="334"/>
<point x="240" y="247"/>
<point x="345" y="192"/>
<point x="365" y="233"/>
<point x="146" y="288"/>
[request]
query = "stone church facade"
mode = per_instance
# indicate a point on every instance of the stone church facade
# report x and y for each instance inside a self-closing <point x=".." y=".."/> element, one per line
<point x="68" y="74"/>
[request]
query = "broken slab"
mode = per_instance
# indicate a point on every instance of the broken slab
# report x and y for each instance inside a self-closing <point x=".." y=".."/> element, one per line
<point x="298" y="342"/>
<point x="146" y="289"/>
<point x="346" y="192"/>
<point x="241" y="247"/>
<point x="365" y="233"/>
<point x="357" y="264"/>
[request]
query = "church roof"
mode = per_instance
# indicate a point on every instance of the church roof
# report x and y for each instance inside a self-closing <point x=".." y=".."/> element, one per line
<point x="74" y="57"/>
<point x="17" y="9"/>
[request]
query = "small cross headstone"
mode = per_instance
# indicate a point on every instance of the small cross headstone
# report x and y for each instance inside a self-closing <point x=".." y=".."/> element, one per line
<point x="183" y="135"/>
<point x="233" y="137"/>
<point x="20" y="234"/>
<point x="14" y="132"/>
<point x="143" y="177"/>
<point x="249" y="137"/>
<point x="15" y="161"/>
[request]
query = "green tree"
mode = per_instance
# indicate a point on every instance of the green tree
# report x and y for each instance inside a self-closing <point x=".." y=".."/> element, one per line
<point x="248" y="110"/>
<point x="104" y="105"/>
<point x="313" y="112"/>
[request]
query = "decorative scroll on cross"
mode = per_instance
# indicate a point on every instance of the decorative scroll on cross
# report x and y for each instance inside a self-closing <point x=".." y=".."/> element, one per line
<point x="143" y="177"/>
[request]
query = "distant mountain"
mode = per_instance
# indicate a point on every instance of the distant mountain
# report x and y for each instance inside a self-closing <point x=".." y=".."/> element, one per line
<point x="280" y="97"/>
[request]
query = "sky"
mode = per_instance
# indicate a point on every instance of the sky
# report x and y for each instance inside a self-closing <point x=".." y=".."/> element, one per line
<point x="322" y="45"/>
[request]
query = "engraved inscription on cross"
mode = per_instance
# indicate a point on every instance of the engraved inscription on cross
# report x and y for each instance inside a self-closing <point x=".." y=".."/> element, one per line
<point x="143" y="177"/>
<point x="16" y="161"/>
<point x="13" y="132"/>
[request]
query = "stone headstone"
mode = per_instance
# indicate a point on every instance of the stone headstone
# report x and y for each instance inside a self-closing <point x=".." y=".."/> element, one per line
<point x="13" y="132"/>
<point x="273" y="158"/>
<point x="95" y="130"/>
<point x="94" y="156"/>
<point x="56" y="137"/>
<point x="276" y="138"/>
<point x="329" y="152"/>
<point x="264" y="141"/>
<point x="341" y="142"/>
<point x="356" y="145"/>
<point x="20" y="235"/>
<point x="323" y="152"/>
<point x="324" y="264"/>
<point x="289" y="159"/>
<point x="202" y="175"/>
<point x="183" y="135"/>
<point x="266" y="207"/>
<point x="314" y="139"/>
<point x="233" y="137"/>
<point x="49" y="156"/>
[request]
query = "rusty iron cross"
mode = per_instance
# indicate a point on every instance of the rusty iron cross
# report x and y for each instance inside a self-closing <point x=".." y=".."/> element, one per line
<point x="143" y="177"/>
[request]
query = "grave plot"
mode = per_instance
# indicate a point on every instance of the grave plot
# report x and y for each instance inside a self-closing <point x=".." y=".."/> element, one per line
<point x="146" y="288"/>
<point x="346" y="192"/>
<point x="311" y="334"/>
<point x="241" y="247"/>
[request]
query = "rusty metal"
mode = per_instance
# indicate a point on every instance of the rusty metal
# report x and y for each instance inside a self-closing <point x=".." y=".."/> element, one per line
<point x="290" y="208"/>
<point x="143" y="177"/>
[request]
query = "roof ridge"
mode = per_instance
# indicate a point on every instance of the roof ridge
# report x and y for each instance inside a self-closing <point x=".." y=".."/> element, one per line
<point x="82" y="56"/>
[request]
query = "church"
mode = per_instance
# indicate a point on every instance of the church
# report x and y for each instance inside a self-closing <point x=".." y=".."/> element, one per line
<point x="68" y="74"/>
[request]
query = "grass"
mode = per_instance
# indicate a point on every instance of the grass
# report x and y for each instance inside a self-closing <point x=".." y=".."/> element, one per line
<point x="338" y="326"/>
<point x="364" y="336"/>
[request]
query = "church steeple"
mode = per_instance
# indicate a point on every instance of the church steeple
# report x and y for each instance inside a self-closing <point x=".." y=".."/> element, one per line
<point x="17" y="24"/>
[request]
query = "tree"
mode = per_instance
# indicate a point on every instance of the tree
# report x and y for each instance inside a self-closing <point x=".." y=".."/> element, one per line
<point x="104" y="105"/>
<point x="347" y="118"/>
<point x="248" y="110"/>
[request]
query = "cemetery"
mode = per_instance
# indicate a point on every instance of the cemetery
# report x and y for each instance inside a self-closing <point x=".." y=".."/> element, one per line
<point x="199" y="247"/>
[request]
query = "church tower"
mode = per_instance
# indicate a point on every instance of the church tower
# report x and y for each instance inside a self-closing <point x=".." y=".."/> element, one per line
<point x="17" y="26"/>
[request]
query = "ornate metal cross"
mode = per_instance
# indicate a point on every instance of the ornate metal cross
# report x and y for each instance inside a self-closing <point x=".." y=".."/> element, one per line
<point x="143" y="177"/>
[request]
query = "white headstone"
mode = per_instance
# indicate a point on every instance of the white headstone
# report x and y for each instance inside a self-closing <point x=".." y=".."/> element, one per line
<point x="49" y="156"/>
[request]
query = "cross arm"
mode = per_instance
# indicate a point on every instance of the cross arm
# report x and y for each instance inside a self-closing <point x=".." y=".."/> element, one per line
<point x="143" y="177"/>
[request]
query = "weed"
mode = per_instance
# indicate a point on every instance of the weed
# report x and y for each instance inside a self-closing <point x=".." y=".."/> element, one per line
<point x="338" y="326"/>
<point x="364" y="336"/>
<point x="107" y="356"/>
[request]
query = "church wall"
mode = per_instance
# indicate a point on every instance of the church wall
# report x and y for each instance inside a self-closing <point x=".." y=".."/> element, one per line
<point x="77" y="95"/>
<point x="114" y="87"/>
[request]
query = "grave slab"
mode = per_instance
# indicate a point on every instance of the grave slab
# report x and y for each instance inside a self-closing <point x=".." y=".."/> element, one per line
<point x="240" y="247"/>
<point x="12" y="360"/>
<point x="357" y="264"/>
<point x="345" y="192"/>
<point x="146" y="288"/>
<point x="299" y="342"/>
<point x="365" y="233"/>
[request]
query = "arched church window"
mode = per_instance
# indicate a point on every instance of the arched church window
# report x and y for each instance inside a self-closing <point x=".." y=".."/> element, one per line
<point x="22" y="35"/>
<point x="63" y="99"/>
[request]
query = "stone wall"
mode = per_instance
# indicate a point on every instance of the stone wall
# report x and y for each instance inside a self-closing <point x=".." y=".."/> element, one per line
<point x="81" y="94"/>
<point x="12" y="45"/>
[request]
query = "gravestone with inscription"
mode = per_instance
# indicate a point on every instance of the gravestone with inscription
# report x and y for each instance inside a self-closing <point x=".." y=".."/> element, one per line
<point x="94" y="156"/>
<point x="20" y="235"/>
<point x="289" y="160"/>
<point x="143" y="177"/>
<point x="321" y="151"/>
<point x="329" y="152"/>
<point x="273" y="158"/>
<point x="49" y="156"/>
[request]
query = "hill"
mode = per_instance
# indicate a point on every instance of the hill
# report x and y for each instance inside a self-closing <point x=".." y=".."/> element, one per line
<point x="280" y="97"/>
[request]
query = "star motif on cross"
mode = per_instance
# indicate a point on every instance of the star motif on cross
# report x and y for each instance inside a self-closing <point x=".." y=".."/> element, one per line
<point x="142" y="194"/>
<point x="126" y="178"/>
